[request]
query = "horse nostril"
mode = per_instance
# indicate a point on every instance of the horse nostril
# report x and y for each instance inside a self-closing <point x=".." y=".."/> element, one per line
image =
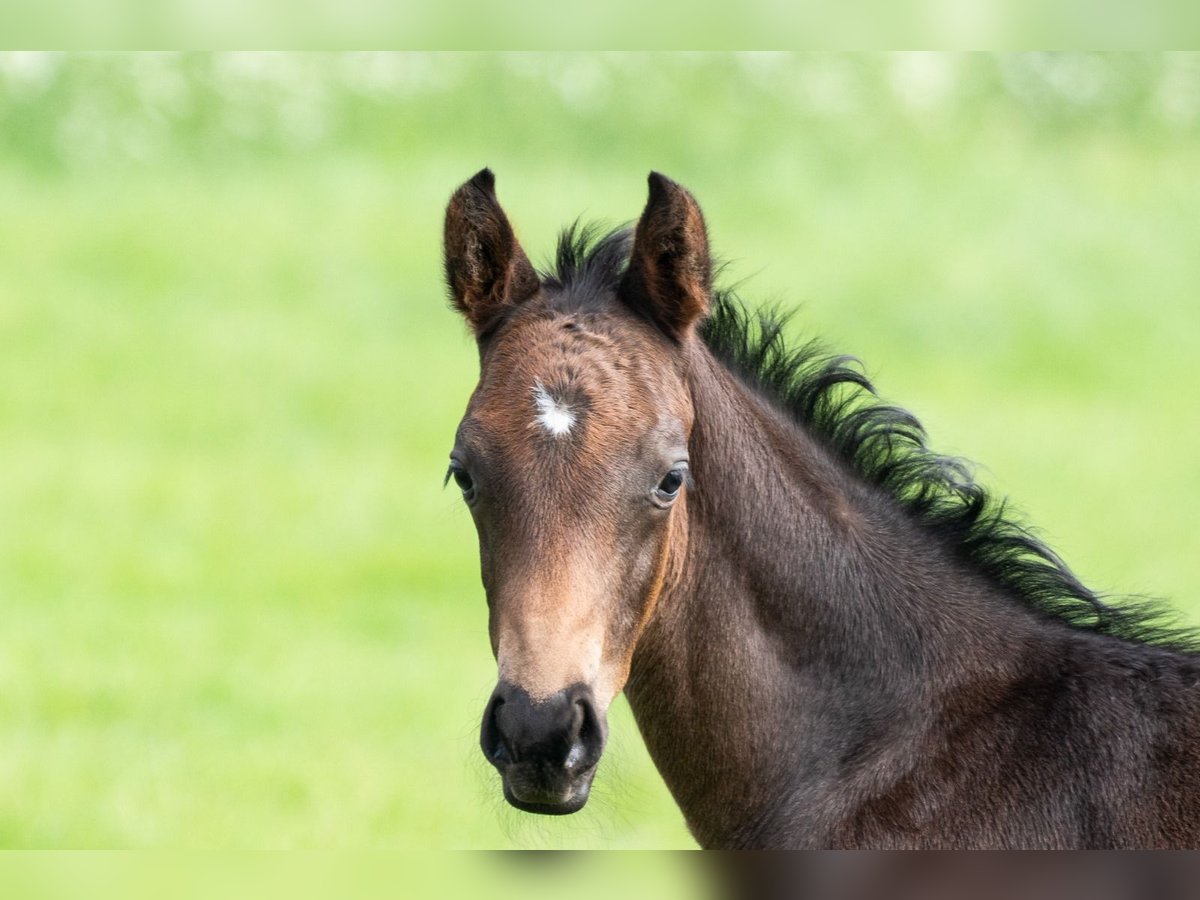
<point x="588" y="739"/>
<point x="574" y="756"/>
<point x="491" y="738"/>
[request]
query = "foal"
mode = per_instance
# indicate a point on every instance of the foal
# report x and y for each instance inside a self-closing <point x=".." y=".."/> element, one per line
<point x="829" y="636"/>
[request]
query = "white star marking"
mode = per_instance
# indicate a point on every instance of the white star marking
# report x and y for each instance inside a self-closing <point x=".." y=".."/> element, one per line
<point x="553" y="415"/>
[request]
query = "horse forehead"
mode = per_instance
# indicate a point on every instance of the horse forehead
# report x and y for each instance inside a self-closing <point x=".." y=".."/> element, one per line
<point x="565" y="378"/>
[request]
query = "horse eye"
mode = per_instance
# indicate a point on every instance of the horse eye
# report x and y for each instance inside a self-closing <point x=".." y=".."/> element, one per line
<point x="462" y="479"/>
<point x="668" y="488"/>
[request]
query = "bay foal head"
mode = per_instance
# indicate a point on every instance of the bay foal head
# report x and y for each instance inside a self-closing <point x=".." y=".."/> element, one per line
<point x="573" y="459"/>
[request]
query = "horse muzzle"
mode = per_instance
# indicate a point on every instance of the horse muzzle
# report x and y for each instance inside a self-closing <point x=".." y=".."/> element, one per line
<point x="546" y="750"/>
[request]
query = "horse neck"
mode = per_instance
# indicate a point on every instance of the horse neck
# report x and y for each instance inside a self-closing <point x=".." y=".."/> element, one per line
<point x="810" y="634"/>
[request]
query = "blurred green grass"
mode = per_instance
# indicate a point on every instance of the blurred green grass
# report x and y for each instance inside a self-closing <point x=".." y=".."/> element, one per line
<point x="240" y="611"/>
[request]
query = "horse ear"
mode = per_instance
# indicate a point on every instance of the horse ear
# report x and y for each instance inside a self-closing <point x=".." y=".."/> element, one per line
<point x="670" y="273"/>
<point x="487" y="272"/>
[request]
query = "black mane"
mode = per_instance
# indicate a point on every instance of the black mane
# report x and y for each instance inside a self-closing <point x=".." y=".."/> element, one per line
<point x="885" y="446"/>
<point x="589" y="263"/>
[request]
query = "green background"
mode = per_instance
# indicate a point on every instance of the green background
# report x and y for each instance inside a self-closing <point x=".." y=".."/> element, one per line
<point x="237" y="609"/>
